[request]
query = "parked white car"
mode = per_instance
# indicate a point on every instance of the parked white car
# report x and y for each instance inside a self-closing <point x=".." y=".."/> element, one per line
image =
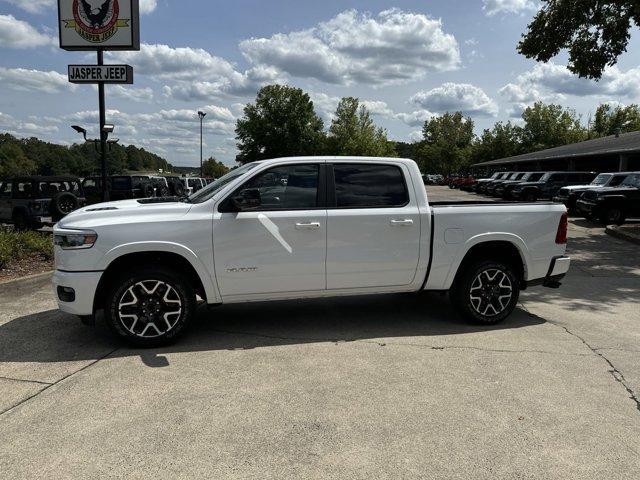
<point x="300" y="227"/>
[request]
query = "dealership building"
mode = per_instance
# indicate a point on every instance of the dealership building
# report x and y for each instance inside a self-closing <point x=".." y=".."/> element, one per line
<point x="607" y="154"/>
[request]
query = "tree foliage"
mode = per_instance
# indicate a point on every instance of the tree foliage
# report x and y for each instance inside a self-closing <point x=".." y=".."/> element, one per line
<point x="213" y="168"/>
<point x="352" y="132"/>
<point x="20" y="156"/>
<point x="613" y="120"/>
<point x="549" y="125"/>
<point x="595" y="33"/>
<point x="503" y="140"/>
<point x="447" y="144"/>
<point x="282" y="122"/>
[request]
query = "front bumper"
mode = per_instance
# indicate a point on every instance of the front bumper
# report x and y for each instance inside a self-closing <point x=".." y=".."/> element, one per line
<point x="83" y="285"/>
<point x="588" y="208"/>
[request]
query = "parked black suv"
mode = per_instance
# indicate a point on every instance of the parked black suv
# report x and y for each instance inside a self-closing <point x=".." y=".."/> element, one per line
<point x="549" y="184"/>
<point x="131" y="186"/>
<point x="612" y="204"/>
<point x="484" y="187"/>
<point x="495" y="188"/>
<point x="569" y="195"/>
<point x="507" y="187"/>
<point x="30" y="202"/>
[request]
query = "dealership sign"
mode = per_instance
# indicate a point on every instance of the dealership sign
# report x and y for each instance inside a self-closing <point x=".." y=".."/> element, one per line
<point x="100" y="73"/>
<point x="99" y="24"/>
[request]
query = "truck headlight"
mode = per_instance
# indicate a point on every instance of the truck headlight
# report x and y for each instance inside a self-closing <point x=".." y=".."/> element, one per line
<point x="75" y="240"/>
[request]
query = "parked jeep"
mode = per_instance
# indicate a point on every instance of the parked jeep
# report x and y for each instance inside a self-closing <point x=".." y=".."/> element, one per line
<point x="549" y="184"/>
<point x="612" y="204"/>
<point x="569" y="195"/>
<point x="30" y="202"/>
<point x="507" y="187"/>
<point x="176" y="187"/>
<point x="131" y="186"/>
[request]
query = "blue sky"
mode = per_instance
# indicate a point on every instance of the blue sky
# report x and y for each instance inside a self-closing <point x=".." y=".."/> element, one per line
<point x="407" y="60"/>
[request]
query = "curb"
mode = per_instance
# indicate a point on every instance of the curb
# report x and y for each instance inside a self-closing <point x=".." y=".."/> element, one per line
<point x="615" y="232"/>
<point x="26" y="281"/>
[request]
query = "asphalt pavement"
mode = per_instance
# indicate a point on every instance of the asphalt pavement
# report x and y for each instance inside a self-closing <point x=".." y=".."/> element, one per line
<point x="389" y="386"/>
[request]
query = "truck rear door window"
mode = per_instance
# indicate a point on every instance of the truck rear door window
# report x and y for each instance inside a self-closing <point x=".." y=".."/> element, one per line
<point x="366" y="185"/>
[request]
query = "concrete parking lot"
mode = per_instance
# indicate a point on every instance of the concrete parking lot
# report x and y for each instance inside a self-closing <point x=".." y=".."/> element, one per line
<point x="370" y="387"/>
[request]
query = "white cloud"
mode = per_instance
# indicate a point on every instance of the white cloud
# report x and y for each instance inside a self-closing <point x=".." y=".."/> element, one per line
<point x="549" y="82"/>
<point x="144" y="94"/>
<point x="33" y="6"/>
<point x="20" y="128"/>
<point x="40" y="6"/>
<point x="394" y="47"/>
<point x="196" y="74"/>
<point x="34" y="80"/>
<point x="493" y="7"/>
<point x="147" y="6"/>
<point x="16" y="33"/>
<point x="415" y="118"/>
<point x="450" y="97"/>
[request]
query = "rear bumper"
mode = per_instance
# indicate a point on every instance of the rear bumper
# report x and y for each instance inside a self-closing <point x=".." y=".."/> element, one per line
<point x="75" y="291"/>
<point x="558" y="268"/>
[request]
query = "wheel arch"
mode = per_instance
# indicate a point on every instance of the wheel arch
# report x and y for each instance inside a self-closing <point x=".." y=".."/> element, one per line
<point x="170" y="259"/>
<point x="508" y="247"/>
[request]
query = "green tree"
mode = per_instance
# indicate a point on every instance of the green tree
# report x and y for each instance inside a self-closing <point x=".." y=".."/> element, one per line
<point x="282" y="122"/>
<point x="352" y="132"/>
<point x="611" y="120"/>
<point x="13" y="161"/>
<point x="547" y="126"/>
<point x="213" y="168"/>
<point x="503" y="140"/>
<point x="447" y="144"/>
<point x="595" y="33"/>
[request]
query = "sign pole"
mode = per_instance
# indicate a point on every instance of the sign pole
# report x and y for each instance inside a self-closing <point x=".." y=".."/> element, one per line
<point x="103" y="134"/>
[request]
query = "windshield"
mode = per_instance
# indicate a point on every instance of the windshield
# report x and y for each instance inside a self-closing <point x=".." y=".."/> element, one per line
<point x="210" y="190"/>
<point x="631" y="181"/>
<point x="545" y="177"/>
<point x="532" y="177"/>
<point x="601" y="179"/>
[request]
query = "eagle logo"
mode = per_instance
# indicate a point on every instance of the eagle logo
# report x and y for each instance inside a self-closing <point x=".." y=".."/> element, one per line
<point x="96" y="20"/>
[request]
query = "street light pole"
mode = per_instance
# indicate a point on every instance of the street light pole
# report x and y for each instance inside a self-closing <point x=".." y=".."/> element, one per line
<point x="103" y="134"/>
<point x="201" y="115"/>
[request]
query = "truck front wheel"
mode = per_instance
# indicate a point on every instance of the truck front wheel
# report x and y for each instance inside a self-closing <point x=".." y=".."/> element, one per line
<point x="486" y="291"/>
<point x="150" y="306"/>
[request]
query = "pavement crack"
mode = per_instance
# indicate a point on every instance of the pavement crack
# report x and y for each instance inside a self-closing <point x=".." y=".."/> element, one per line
<point x="25" y="380"/>
<point x="615" y="373"/>
<point x="49" y="385"/>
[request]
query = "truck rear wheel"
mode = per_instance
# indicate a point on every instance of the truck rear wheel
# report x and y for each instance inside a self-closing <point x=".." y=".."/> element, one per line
<point x="486" y="291"/>
<point x="150" y="306"/>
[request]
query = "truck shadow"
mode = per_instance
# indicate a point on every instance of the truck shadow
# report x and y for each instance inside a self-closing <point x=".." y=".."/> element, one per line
<point x="52" y="336"/>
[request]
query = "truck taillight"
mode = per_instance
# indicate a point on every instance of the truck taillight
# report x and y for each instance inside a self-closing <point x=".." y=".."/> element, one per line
<point x="561" y="234"/>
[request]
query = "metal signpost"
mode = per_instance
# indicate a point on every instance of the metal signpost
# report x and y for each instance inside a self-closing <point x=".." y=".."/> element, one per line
<point x="100" y="25"/>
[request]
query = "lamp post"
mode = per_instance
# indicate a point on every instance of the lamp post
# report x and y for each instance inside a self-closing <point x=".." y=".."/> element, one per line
<point x="201" y="115"/>
<point x="105" y="130"/>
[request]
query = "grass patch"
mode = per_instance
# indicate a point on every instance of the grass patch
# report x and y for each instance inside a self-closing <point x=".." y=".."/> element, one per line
<point x="18" y="245"/>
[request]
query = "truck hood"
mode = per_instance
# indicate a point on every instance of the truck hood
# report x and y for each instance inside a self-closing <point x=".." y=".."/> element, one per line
<point x="573" y="188"/>
<point x="606" y="190"/>
<point x="125" y="211"/>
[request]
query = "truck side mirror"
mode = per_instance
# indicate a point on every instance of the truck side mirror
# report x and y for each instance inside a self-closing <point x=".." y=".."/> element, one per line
<point x="245" y="200"/>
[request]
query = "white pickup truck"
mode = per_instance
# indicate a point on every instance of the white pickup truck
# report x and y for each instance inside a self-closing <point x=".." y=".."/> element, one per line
<point x="300" y="227"/>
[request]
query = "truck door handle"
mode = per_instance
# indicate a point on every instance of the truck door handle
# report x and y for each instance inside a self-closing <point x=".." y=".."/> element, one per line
<point x="401" y="223"/>
<point x="307" y="226"/>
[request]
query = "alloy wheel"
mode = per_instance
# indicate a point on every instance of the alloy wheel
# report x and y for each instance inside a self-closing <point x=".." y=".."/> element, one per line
<point x="491" y="291"/>
<point x="149" y="308"/>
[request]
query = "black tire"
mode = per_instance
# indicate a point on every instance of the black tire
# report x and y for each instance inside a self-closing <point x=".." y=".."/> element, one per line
<point x="62" y="204"/>
<point x="612" y="216"/>
<point x="479" y="292"/>
<point x="165" y="305"/>
<point x="21" y="221"/>
<point x="147" y="190"/>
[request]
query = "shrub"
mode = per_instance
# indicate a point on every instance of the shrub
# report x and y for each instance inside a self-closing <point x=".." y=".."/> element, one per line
<point x="17" y="245"/>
